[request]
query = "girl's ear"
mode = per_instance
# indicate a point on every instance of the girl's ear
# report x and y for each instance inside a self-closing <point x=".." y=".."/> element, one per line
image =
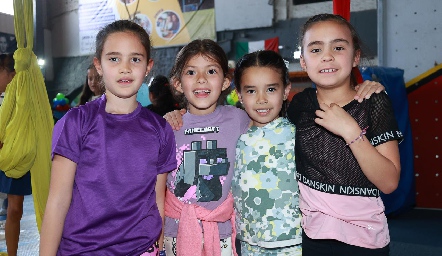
<point x="357" y="58"/>
<point x="149" y="66"/>
<point x="302" y="62"/>
<point x="97" y="65"/>
<point x="226" y="83"/>
<point x="287" y="91"/>
<point x="239" y="95"/>
<point x="177" y="85"/>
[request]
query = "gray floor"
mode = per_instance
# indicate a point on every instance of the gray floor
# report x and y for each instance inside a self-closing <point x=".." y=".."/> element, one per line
<point x="416" y="233"/>
<point x="29" y="236"/>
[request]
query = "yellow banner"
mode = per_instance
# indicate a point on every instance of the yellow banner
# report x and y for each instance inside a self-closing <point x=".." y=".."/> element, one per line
<point x="168" y="22"/>
<point x="165" y="21"/>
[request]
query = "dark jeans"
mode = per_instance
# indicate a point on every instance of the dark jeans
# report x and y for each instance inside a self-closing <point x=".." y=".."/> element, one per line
<point x="330" y="247"/>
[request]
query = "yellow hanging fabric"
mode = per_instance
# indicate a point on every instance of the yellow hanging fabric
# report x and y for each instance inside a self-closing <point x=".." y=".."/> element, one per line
<point x="26" y="121"/>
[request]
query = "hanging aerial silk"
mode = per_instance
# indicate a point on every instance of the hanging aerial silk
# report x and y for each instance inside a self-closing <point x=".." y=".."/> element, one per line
<point x="25" y="116"/>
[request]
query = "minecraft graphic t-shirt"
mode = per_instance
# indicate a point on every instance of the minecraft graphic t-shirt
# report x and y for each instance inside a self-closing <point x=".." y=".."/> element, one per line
<point x="205" y="161"/>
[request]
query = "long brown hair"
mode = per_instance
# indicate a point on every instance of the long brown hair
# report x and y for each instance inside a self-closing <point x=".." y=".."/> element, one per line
<point x="7" y="62"/>
<point x="86" y="93"/>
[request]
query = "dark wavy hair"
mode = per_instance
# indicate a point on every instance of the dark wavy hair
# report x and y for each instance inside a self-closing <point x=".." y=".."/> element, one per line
<point x="204" y="47"/>
<point x="7" y="62"/>
<point x="164" y="101"/>
<point x="86" y="93"/>
<point x="268" y="59"/>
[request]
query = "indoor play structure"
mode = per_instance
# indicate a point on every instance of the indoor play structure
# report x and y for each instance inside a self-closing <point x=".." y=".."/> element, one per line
<point x="424" y="96"/>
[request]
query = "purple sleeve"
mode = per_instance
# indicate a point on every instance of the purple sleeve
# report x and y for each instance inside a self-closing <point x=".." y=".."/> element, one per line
<point x="66" y="137"/>
<point x="167" y="157"/>
<point x="244" y="119"/>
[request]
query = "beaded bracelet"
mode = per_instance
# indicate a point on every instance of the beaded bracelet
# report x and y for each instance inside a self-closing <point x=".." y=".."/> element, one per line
<point x="361" y="136"/>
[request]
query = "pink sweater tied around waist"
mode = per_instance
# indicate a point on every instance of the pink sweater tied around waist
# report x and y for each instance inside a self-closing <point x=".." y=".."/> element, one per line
<point x="190" y="236"/>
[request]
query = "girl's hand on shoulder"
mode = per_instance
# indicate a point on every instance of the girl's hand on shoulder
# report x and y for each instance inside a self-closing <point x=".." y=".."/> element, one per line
<point x="335" y="119"/>
<point x="366" y="89"/>
<point x="175" y="118"/>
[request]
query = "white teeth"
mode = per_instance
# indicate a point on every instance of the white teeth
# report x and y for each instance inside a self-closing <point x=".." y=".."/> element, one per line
<point x="262" y="110"/>
<point x="328" y="70"/>
<point x="201" y="91"/>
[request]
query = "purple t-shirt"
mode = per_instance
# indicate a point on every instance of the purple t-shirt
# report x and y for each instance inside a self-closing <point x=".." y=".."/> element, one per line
<point x="205" y="159"/>
<point x="113" y="209"/>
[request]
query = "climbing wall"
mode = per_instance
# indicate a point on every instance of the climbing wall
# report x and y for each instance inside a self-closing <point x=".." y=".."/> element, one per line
<point x="410" y="35"/>
<point x="425" y="108"/>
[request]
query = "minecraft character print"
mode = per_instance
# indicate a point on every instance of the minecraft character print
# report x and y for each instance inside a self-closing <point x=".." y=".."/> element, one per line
<point x="201" y="172"/>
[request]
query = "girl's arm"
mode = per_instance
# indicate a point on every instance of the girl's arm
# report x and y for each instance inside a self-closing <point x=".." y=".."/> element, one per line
<point x="366" y="89"/>
<point x="175" y="118"/>
<point x="160" y="190"/>
<point x="381" y="167"/>
<point x="381" y="164"/>
<point x="59" y="200"/>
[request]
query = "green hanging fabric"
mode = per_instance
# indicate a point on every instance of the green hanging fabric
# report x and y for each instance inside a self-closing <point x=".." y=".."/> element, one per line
<point x="26" y="121"/>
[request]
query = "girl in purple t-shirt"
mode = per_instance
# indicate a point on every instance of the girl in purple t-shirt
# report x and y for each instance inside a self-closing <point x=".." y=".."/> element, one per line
<point x="110" y="160"/>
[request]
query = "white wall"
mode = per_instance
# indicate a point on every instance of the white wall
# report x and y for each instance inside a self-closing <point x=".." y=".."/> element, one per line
<point x="410" y="31"/>
<point x="411" y="35"/>
<point x="64" y="26"/>
<point x="65" y="32"/>
<point x="234" y="14"/>
<point x="307" y="10"/>
<point x="230" y="15"/>
<point x="6" y="23"/>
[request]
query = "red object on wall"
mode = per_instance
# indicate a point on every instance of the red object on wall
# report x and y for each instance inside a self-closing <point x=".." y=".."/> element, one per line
<point x="342" y="7"/>
<point x="425" y="109"/>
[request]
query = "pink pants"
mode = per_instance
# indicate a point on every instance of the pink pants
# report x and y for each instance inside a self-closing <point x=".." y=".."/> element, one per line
<point x="154" y="250"/>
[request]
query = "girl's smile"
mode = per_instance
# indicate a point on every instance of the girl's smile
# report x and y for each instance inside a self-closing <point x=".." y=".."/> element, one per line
<point x="202" y="82"/>
<point x="201" y="93"/>
<point x="262" y="94"/>
<point x="330" y="70"/>
<point x="125" y="81"/>
<point x="328" y="54"/>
